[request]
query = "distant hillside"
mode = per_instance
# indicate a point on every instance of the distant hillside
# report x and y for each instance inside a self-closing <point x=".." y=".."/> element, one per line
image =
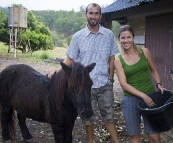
<point x="4" y="9"/>
<point x="63" y="22"/>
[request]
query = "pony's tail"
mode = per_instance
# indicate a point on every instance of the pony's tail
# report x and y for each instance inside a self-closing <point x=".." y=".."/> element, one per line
<point x="11" y="124"/>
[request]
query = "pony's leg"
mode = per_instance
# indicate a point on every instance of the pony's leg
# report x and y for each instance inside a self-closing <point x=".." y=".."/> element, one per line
<point x="7" y="123"/>
<point x="68" y="132"/>
<point x="9" y="141"/>
<point x="25" y="132"/>
<point x="63" y="134"/>
<point x="58" y="133"/>
<point x="68" y="135"/>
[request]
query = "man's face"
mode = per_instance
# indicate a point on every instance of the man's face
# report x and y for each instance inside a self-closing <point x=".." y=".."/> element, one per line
<point x="93" y="15"/>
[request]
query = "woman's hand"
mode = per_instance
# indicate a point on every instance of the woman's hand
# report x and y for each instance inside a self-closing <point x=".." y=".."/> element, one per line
<point x="149" y="102"/>
<point x="160" y="87"/>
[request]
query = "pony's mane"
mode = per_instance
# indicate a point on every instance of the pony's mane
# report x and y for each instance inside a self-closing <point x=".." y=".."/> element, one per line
<point x="76" y="69"/>
<point x="62" y="78"/>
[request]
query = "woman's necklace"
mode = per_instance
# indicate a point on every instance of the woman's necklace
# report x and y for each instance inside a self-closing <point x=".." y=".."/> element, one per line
<point x="131" y="55"/>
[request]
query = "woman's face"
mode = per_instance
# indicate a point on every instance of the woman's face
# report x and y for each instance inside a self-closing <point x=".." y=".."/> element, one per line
<point x="126" y="40"/>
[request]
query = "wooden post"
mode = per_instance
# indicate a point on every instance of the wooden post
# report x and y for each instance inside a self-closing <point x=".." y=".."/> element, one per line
<point x="15" y="42"/>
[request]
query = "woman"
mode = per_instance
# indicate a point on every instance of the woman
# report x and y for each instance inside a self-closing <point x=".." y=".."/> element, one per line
<point x="133" y="67"/>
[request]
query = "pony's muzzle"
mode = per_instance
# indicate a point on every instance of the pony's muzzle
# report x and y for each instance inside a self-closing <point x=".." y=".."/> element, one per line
<point x="86" y="114"/>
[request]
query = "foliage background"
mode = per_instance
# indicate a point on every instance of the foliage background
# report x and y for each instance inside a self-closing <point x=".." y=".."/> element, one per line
<point x="47" y="29"/>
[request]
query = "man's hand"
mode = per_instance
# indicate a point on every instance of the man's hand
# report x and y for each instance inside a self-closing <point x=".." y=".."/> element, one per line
<point x="50" y="74"/>
<point x="67" y="61"/>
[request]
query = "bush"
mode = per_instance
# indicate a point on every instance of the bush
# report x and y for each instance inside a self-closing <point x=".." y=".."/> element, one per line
<point x="44" y="56"/>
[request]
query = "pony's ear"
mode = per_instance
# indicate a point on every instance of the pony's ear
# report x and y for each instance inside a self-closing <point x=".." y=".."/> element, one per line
<point x="66" y="68"/>
<point x="90" y="67"/>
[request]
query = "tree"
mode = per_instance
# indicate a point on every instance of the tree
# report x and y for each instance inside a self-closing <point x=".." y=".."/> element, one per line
<point x="82" y="8"/>
<point x="68" y="40"/>
<point x="4" y="32"/>
<point x="70" y="23"/>
<point x="115" y="27"/>
<point x="17" y="5"/>
<point x="38" y="34"/>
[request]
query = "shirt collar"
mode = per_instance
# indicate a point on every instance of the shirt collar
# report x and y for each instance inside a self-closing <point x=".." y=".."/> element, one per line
<point x="101" y="31"/>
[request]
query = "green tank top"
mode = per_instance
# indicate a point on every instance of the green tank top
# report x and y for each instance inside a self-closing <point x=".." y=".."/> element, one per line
<point x="138" y="75"/>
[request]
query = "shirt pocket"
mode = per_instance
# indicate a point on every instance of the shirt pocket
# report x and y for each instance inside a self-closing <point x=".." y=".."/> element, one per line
<point x="86" y="55"/>
<point x="82" y="52"/>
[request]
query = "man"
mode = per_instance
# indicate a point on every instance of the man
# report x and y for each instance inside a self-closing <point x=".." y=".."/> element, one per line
<point x="96" y="44"/>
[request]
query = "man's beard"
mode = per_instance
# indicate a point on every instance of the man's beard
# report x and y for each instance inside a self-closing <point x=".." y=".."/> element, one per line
<point x="93" y="24"/>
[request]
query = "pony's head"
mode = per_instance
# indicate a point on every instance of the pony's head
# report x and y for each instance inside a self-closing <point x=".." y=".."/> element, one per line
<point x="79" y="87"/>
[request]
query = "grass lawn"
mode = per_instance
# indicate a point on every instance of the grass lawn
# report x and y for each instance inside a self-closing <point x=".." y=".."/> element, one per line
<point x="57" y="52"/>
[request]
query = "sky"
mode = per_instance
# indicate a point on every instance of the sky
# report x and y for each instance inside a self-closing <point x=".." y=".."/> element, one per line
<point x="54" y="4"/>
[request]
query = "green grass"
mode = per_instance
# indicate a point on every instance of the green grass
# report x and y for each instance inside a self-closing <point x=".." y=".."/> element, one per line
<point x="57" y="52"/>
<point x="3" y="49"/>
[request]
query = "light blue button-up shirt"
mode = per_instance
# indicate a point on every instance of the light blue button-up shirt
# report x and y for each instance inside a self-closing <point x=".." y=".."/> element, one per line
<point x="87" y="47"/>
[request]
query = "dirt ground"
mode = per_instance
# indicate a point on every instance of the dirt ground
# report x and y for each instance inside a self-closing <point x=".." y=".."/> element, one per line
<point x="42" y="131"/>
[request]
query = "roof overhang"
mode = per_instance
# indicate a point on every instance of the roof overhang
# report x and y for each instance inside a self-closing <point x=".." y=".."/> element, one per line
<point x="159" y="7"/>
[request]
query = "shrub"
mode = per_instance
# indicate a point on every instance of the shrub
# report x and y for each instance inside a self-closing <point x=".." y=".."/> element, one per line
<point x="44" y="56"/>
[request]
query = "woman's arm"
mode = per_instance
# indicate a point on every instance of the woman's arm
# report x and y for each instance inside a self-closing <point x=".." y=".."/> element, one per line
<point x="153" y="68"/>
<point x="127" y="87"/>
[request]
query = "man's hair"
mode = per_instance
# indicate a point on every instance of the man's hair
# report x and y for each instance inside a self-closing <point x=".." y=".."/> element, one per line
<point x="94" y="5"/>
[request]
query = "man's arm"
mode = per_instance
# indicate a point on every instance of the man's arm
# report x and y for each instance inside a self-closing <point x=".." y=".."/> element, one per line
<point x="67" y="61"/>
<point x="111" y="67"/>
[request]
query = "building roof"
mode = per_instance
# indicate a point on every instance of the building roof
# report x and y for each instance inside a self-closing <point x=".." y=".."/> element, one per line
<point x="119" y="5"/>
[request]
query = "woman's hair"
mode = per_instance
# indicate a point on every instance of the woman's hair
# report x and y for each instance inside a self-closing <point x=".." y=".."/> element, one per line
<point x="129" y="28"/>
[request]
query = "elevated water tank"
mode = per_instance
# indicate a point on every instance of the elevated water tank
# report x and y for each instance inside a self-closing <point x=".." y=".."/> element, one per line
<point x="17" y="17"/>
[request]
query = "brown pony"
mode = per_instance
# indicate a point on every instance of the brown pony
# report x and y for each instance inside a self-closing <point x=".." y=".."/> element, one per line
<point x="56" y="101"/>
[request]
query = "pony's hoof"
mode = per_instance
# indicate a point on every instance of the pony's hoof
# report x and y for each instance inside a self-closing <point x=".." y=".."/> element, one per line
<point x="8" y="141"/>
<point x="30" y="141"/>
